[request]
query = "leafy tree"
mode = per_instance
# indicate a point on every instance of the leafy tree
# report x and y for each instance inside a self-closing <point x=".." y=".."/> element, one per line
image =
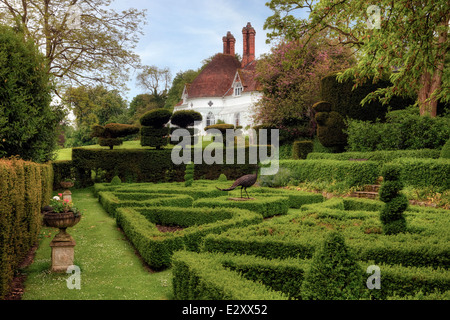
<point x="141" y="104"/>
<point x="176" y="90"/>
<point x="29" y="124"/>
<point x="404" y="36"/>
<point x="96" y="105"/>
<point x="290" y="77"/>
<point x="84" y="42"/>
<point x="156" y="81"/>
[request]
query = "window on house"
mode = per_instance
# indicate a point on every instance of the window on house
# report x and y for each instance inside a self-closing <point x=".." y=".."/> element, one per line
<point x="210" y="119"/>
<point x="238" y="89"/>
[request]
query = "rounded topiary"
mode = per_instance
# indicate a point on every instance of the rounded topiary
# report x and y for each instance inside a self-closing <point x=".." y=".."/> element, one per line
<point x="222" y="177"/>
<point x="334" y="273"/>
<point x="153" y="131"/>
<point x="300" y="149"/>
<point x="185" y="118"/>
<point x="109" y="134"/>
<point x="391" y="215"/>
<point x="156" y="118"/>
<point x="330" y="130"/>
<point x="445" y="152"/>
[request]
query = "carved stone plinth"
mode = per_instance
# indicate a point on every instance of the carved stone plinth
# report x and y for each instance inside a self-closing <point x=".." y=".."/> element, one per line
<point x="63" y="251"/>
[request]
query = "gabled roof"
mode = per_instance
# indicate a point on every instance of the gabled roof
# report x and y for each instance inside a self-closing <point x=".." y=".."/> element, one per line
<point x="216" y="78"/>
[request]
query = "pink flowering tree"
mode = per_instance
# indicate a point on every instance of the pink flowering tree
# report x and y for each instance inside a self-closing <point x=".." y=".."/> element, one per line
<point x="290" y="76"/>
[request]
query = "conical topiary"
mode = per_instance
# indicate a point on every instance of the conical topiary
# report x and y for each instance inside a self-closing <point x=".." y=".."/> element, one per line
<point x="334" y="273"/>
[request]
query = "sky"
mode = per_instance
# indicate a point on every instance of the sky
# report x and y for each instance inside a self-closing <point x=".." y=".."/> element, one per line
<point x="180" y="34"/>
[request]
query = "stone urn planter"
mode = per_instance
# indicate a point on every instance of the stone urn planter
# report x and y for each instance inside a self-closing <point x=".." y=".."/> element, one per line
<point x="62" y="244"/>
<point x="66" y="185"/>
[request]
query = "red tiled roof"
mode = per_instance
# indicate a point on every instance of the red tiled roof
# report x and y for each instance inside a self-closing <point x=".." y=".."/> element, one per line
<point x="216" y="78"/>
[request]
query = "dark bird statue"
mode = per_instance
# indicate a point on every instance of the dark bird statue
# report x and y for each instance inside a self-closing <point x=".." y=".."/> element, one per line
<point x="244" y="182"/>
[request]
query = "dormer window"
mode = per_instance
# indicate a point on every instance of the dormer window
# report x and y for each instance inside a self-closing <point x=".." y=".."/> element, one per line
<point x="238" y="89"/>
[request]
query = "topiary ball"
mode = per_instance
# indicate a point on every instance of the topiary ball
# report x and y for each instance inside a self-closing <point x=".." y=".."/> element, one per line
<point x="445" y="152"/>
<point x="156" y="118"/>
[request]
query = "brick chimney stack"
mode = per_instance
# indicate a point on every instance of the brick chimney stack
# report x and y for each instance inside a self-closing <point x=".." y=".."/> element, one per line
<point x="229" y="44"/>
<point x="248" y="33"/>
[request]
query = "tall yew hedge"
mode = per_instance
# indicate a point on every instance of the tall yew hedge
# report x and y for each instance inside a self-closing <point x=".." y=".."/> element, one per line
<point x="25" y="187"/>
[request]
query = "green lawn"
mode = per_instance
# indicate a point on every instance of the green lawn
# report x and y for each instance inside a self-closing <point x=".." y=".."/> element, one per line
<point x="110" y="268"/>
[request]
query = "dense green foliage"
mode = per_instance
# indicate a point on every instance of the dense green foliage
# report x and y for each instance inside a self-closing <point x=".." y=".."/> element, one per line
<point x="29" y="124"/>
<point x="346" y="100"/>
<point x="403" y="129"/>
<point x="93" y="106"/>
<point x="26" y="187"/>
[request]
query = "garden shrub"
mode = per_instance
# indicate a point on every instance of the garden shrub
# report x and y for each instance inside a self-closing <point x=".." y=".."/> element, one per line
<point x="26" y="187"/>
<point x="29" y="124"/>
<point x="330" y="126"/>
<point x="334" y="273"/>
<point x="116" y="181"/>
<point x="403" y="130"/>
<point x="301" y="149"/>
<point x="110" y="134"/>
<point x="153" y="130"/>
<point x="185" y="119"/>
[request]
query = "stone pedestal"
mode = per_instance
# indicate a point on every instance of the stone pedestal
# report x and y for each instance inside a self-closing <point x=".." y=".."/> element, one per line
<point x="67" y="195"/>
<point x="63" y="251"/>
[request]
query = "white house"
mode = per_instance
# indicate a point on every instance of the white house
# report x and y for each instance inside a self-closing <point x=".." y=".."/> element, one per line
<point x="226" y="88"/>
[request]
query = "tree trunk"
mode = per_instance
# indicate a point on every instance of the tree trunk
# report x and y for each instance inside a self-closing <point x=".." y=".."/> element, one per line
<point x="432" y="82"/>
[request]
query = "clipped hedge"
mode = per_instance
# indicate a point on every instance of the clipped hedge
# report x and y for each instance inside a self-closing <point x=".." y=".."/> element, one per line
<point x="25" y="188"/>
<point x="112" y="201"/>
<point x="382" y="156"/>
<point x="156" y="248"/>
<point x="422" y="173"/>
<point x="203" y="277"/>
<point x="286" y="276"/>
<point x="351" y="173"/>
<point x="301" y="149"/>
<point x="298" y="234"/>
<point x="142" y="165"/>
<point x="268" y="206"/>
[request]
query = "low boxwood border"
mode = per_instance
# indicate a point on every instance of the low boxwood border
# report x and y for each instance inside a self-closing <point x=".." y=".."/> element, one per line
<point x="156" y="248"/>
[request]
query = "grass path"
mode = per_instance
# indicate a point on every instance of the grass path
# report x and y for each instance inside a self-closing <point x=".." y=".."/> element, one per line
<point x="110" y="269"/>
